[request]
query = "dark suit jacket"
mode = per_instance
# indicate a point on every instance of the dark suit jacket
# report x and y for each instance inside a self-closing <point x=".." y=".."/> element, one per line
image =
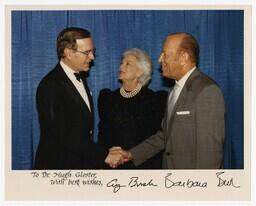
<point x="193" y="138"/>
<point x="66" y="126"/>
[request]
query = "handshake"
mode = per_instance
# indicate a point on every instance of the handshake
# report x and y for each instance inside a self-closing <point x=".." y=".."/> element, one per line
<point x="117" y="156"/>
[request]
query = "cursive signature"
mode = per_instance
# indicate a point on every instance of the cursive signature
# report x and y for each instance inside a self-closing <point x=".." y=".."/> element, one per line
<point x="133" y="182"/>
<point x="225" y="182"/>
<point x="116" y="186"/>
<point x="180" y="183"/>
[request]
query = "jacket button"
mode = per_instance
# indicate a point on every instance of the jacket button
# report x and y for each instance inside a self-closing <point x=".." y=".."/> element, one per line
<point x="167" y="153"/>
<point x="90" y="131"/>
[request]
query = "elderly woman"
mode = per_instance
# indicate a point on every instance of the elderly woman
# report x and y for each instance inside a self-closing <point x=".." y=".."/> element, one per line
<point x="133" y="112"/>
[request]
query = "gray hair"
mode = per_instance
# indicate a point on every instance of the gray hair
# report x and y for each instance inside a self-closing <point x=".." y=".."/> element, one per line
<point x="144" y="62"/>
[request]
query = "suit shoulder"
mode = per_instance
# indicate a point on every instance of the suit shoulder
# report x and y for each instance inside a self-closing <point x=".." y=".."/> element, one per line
<point x="202" y="81"/>
<point x="202" y="85"/>
<point x="48" y="84"/>
<point x="205" y="79"/>
<point x="50" y="77"/>
<point x="206" y="86"/>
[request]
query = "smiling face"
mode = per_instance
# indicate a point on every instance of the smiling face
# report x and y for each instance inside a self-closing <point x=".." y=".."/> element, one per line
<point x="76" y="59"/>
<point x="170" y="58"/>
<point x="129" y="69"/>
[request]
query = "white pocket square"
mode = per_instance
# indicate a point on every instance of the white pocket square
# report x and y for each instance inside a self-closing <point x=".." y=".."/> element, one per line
<point x="183" y="112"/>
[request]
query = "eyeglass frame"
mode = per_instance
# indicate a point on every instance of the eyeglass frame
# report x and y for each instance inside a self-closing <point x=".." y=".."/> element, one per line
<point x="93" y="51"/>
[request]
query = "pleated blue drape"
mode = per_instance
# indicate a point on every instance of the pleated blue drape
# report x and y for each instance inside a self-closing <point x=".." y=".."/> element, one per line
<point x="219" y="32"/>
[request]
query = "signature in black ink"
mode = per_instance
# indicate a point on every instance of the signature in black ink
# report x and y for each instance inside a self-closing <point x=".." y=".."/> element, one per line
<point x="225" y="182"/>
<point x="187" y="183"/>
<point x="133" y="182"/>
<point x="116" y="186"/>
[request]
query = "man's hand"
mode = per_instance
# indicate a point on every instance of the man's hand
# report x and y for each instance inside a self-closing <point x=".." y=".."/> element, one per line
<point x="114" y="159"/>
<point x="117" y="156"/>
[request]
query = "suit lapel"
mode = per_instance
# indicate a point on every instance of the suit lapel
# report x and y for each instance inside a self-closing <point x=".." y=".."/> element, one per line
<point x="182" y="97"/>
<point x="71" y="90"/>
<point x="88" y="94"/>
<point x="90" y="99"/>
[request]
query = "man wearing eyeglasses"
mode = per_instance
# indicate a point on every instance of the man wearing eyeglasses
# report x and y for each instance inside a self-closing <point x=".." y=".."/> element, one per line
<point x="65" y="108"/>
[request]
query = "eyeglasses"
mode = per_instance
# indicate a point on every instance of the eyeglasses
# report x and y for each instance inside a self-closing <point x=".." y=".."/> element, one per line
<point x="93" y="51"/>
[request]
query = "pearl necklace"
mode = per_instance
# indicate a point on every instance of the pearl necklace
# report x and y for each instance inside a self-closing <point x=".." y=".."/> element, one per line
<point x="132" y="93"/>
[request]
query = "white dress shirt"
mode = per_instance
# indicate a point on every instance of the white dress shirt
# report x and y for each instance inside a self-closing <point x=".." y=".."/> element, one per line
<point x="175" y="93"/>
<point x="78" y="84"/>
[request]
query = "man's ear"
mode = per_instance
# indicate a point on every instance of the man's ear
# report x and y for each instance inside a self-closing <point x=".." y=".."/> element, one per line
<point x="184" y="57"/>
<point x="67" y="53"/>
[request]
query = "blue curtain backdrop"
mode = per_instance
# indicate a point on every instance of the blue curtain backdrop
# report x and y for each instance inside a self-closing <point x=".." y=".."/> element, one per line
<point x="219" y="32"/>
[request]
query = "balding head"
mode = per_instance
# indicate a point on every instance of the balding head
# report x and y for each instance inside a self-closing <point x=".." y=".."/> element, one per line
<point x="189" y="44"/>
<point x="179" y="55"/>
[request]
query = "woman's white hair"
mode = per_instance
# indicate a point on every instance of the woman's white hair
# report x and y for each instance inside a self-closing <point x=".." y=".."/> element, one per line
<point x="144" y="62"/>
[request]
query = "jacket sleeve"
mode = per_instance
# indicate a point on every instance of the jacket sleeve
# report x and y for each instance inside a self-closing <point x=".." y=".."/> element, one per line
<point x="148" y="148"/>
<point x="46" y="110"/>
<point x="155" y="143"/>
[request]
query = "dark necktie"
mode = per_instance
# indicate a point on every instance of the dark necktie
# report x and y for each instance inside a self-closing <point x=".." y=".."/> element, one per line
<point x="79" y="76"/>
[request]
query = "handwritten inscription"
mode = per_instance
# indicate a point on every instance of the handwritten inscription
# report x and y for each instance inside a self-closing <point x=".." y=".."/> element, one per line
<point x="69" y="178"/>
<point x="188" y="183"/>
<point x="133" y="182"/>
<point x="169" y="181"/>
<point x="222" y="181"/>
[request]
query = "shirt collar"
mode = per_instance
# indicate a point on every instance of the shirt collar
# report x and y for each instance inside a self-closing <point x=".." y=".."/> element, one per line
<point x="69" y="72"/>
<point x="183" y="80"/>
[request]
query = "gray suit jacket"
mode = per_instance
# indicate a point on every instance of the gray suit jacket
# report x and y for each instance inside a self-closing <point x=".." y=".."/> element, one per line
<point x="194" y="136"/>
